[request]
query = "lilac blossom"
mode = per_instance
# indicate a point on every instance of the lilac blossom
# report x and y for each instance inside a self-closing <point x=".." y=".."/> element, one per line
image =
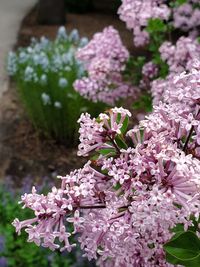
<point x="185" y="17"/>
<point x="136" y="14"/>
<point x="150" y="70"/>
<point x="125" y="202"/>
<point x="104" y="58"/>
<point x="180" y="56"/>
<point x="182" y="89"/>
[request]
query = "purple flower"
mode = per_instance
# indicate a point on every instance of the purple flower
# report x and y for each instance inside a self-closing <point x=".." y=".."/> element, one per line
<point x="3" y="262"/>
<point x="137" y="13"/>
<point x="104" y="58"/>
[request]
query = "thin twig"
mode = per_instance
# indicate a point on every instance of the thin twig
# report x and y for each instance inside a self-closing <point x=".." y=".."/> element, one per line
<point x="188" y="138"/>
<point x="190" y="134"/>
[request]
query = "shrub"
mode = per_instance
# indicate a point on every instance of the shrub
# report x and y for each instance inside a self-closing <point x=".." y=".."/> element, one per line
<point x="45" y="72"/>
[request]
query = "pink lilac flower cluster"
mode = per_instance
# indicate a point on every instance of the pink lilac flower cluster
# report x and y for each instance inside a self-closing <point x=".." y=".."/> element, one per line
<point x="180" y="56"/>
<point x="158" y="88"/>
<point x="185" y="17"/>
<point x="181" y="93"/>
<point x="136" y="14"/>
<point x="140" y="184"/>
<point x="105" y="59"/>
<point x="149" y="72"/>
<point x="183" y="88"/>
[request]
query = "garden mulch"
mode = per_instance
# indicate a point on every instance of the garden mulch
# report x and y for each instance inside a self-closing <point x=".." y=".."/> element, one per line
<point x="22" y="151"/>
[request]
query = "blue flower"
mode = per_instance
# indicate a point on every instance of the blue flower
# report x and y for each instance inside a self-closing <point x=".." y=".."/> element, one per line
<point x="62" y="82"/>
<point x="62" y="34"/>
<point x="74" y="36"/>
<point x="12" y="63"/>
<point x="46" y="99"/>
<point x="83" y="42"/>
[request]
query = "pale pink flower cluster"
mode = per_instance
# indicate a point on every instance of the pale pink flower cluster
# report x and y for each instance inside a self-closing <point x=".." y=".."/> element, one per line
<point x="140" y="184"/>
<point x="105" y="59"/>
<point x="185" y="17"/>
<point x="158" y="88"/>
<point x="150" y="70"/>
<point x="183" y="88"/>
<point x="136" y="14"/>
<point x="100" y="132"/>
<point x="180" y="56"/>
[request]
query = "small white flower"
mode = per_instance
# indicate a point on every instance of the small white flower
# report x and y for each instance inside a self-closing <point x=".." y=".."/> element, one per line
<point x="43" y="79"/>
<point x="29" y="74"/>
<point x="46" y="99"/>
<point x="58" y="105"/>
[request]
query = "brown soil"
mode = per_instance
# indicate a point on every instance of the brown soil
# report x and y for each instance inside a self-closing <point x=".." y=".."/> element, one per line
<point x="22" y="151"/>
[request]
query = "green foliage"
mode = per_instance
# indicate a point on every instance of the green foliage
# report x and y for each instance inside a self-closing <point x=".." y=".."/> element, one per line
<point x="156" y="25"/>
<point x="159" y="31"/>
<point x="177" y="3"/>
<point x="107" y="152"/>
<point x="184" y="246"/>
<point x="184" y="249"/>
<point x="125" y="125"/>
<point x="144" y="103"/>
<point x="133" y="71"/>
<point x="44" y="73"/>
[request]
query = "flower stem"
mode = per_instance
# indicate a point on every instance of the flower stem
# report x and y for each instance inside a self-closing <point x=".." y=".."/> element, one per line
<point x="114" y="144"/>
<point x="188" y="138"/>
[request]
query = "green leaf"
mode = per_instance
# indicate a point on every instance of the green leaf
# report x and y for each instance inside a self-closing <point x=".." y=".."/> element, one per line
<point x="193" y="228"/>
<point x="156" y="25"/>
<point x="144" y="103"/>
<point x="107" y="151"/>
<point x="177" y="3"/>
<point x="121" y="144"/>
<point x="178" y="228"/>
<point x="117" y="186"/>
<point x="184" y="249"/>
<point x="118" y="118"/>
<point x="125" y="125"/>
